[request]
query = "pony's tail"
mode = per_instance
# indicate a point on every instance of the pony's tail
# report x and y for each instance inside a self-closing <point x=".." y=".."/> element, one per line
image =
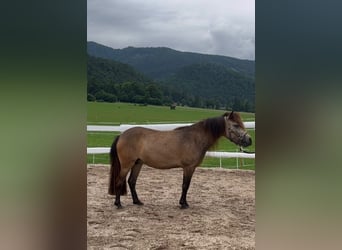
<point x="115" y="171"/>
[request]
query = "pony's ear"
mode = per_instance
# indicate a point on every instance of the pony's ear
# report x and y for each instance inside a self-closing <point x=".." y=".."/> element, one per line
<point x="231" y="114"/>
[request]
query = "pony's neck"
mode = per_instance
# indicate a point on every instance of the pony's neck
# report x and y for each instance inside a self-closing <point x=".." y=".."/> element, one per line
<point x="213" y="129"/>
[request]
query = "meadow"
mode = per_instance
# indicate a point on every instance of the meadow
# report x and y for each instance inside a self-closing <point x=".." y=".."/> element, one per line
<point x="100" y="113"/>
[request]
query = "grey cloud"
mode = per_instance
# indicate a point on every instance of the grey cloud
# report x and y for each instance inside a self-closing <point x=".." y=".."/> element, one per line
<point x="213" y="27"/>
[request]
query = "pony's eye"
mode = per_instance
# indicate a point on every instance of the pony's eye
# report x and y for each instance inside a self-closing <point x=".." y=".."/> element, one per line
<point x="236" y="126"/>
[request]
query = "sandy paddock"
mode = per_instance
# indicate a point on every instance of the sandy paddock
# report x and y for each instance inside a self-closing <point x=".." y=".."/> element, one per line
<point x="221" y="213"/>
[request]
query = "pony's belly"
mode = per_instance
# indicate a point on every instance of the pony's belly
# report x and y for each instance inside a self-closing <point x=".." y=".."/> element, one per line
<point x="162" y="164"/>
<point x="171" y="162"/>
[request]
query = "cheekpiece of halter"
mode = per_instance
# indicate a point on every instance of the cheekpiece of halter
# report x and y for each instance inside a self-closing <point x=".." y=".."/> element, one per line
<point x="243" y="135"/>
<point x="228" y="130"/>
<point x="226" y="117"/>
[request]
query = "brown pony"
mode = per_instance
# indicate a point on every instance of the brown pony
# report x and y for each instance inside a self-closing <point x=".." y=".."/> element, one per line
<point x="183" y="147"/>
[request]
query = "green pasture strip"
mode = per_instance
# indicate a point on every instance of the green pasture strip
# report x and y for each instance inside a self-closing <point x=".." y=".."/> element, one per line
<point x="229" y="163"/>
<point x="101" y="139"/>
<point x="98" y="159"/>
<point x="100" y="113"/>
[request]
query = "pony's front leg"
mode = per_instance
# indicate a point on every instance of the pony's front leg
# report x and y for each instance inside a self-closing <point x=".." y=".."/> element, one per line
<point x="117" y="201"/>
<point x="187" y="175"/>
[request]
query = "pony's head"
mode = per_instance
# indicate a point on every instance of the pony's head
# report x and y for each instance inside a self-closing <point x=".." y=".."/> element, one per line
<point x="235" y="130"/>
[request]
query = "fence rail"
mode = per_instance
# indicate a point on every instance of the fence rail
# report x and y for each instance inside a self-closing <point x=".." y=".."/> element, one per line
<point x="123" y="127"/>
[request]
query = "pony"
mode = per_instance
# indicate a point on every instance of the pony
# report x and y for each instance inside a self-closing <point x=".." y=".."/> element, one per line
<point x="183" y="147"/>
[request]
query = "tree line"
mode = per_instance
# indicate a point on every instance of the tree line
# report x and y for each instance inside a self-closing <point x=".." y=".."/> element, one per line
<point x="111" y="81"/>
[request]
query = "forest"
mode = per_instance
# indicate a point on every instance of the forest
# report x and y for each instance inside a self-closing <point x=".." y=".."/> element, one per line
<point x="201" y="83"/>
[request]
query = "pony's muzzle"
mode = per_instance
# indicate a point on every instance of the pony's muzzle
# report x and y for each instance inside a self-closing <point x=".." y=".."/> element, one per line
<point x="246" y="141"/>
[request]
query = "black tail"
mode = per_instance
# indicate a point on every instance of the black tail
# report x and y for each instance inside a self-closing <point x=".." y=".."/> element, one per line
<point x="115" y="171"/>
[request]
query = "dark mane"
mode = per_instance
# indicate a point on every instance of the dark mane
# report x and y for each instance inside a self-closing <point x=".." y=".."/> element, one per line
<point x="214" y="126"/>
<point x="211" y="128"/>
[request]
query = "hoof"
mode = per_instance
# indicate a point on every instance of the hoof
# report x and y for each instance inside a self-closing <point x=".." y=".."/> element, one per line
<point x="184" y="206"/>
<point x="139" y="203"/>
<point x="118" y="205"/>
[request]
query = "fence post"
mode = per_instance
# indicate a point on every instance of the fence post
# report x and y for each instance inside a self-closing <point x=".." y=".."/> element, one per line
<point x="237" y="161"/>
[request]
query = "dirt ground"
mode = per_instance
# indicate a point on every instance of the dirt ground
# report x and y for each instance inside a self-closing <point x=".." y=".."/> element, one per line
<point x="221" y="213"/>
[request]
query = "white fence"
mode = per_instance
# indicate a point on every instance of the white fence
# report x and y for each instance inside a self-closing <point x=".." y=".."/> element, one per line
<point x="123" y="127"/>
<point x="105" y="150"/>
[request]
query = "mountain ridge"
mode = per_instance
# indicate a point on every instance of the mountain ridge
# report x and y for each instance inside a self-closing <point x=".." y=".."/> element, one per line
<point x="160" y="63"/>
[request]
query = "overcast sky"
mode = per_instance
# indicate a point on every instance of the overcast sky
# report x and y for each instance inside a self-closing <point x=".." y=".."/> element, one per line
<point x="220" y="27"/>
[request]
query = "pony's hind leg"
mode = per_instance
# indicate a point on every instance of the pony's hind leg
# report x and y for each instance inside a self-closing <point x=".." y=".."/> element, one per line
<point x="121" y="187"/>
<point x="132" y="180"/>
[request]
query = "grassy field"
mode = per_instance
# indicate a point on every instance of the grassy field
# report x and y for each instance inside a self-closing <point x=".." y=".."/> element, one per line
<point x="125" y="113"/>
<point x="117" y="113"/>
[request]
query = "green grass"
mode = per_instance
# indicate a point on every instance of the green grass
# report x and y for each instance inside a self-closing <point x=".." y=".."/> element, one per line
<point x="118" y="113"/>
<point x="124" y="113"/>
